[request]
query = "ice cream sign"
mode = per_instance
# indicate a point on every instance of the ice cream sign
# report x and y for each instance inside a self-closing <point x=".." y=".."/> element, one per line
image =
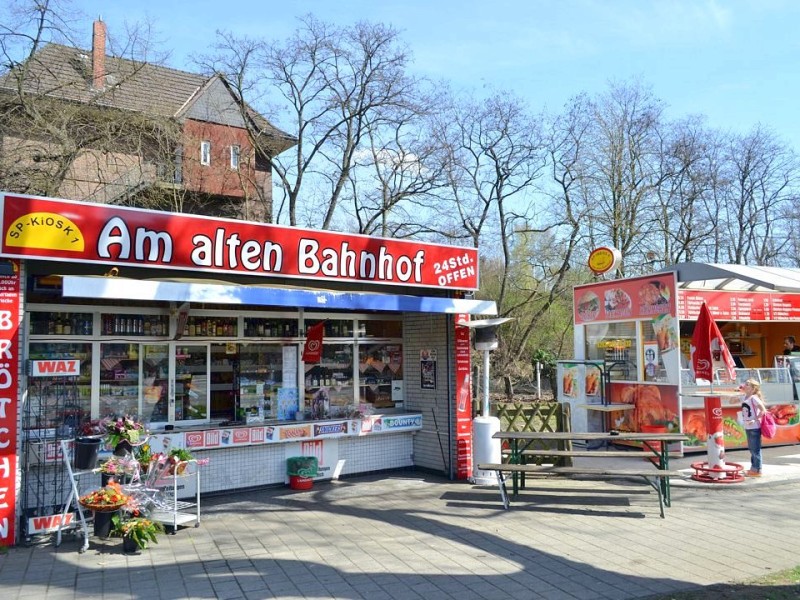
<point x="97" y="233"/>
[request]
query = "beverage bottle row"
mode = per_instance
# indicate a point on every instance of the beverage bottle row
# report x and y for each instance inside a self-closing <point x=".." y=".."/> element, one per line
<point x="63" y="324"/>
<point x="154" y="325"/>
<point x="209" y="327"/>
<point x="265" y="328"/>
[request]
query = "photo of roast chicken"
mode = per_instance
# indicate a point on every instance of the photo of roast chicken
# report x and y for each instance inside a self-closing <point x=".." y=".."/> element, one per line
<point x="649" y="409"/>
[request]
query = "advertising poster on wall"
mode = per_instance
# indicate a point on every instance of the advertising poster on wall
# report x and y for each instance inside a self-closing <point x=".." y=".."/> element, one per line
<point x="427" y="369"/>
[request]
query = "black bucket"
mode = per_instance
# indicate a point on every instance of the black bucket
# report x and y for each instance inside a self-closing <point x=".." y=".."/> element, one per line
<point x="85" y="453"/>
<point x="103" y="523"/>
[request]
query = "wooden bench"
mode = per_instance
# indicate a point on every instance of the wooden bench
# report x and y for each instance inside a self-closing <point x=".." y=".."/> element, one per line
<point x="652" y="477"/>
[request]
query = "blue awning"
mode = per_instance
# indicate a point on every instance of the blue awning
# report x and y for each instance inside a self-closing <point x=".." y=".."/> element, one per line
<point x="171" y="291"/>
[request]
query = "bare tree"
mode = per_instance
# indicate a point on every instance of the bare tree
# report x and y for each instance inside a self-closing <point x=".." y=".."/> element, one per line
<point x="622" y="165"/>
<point x="763" y="173"/>
<point x="59" y="132"/>
<point x="687" y="166"/>
<point x="395" y="177"/>
<point x="339" y="84"/>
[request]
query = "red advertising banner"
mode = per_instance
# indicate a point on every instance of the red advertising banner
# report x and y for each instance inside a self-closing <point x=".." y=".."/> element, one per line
<point x="463" y="395"/>
<point x="312" y="351"/>
<point x="9" y="401"/>
<point x="625" y="299"/>
<point x="97" y="233"/>
<point x="739" y="306"/>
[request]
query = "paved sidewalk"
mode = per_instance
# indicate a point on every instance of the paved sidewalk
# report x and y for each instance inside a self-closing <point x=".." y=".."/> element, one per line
<point x="409" y="535"/>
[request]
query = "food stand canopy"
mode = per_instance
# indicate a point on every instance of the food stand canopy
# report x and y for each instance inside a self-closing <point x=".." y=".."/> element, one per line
<point x="707" y="276"/>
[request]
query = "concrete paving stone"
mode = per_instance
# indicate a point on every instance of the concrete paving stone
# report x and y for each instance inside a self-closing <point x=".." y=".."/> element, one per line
<point x="464" y="552"/>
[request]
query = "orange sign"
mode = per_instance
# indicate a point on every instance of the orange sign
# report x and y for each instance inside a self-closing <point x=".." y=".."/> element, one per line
<point x="604" y="259"/>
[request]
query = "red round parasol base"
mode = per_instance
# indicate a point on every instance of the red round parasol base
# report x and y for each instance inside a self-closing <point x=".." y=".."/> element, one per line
<point x="734" y="473"/>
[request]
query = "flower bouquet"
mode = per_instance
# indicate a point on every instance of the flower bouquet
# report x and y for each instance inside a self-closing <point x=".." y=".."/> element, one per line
<point x="123" y="429"/>
<point x="91" y="428"/>
<point x="119" y="465"/>
<point x="107" y="499"/>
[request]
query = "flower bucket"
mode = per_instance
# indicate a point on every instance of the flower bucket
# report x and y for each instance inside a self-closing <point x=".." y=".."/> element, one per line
<point x="129" y="545"/>
<point x="656" y="446"/>
<point x="85" y="453"/>
<point x="178" y="469"/>
<point x="298" y="482"/>
<point x="123" y="448"/>
<point x="103" y="523"/>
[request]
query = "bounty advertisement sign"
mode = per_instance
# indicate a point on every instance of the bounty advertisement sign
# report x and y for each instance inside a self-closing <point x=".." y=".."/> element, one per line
<point x="97" y="233"/>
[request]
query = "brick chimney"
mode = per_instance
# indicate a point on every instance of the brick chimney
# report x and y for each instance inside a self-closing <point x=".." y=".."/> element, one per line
<point x="99" y="55"/>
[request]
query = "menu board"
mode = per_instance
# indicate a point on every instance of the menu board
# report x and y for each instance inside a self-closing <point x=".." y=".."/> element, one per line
<point x="740" y="306"/>
<point x="624" y="299"/>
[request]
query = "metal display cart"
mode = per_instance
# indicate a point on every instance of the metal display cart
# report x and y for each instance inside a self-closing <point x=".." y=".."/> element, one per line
<point x="168" y="509"/>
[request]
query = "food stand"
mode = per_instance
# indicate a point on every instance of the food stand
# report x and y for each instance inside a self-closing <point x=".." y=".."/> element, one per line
<point x="196" y="326"/>
<point x="635" y="333"/>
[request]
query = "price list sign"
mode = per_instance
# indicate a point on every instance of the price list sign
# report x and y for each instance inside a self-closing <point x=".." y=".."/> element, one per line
<point x="740" y="306"/>
<point x="785" y="307"/>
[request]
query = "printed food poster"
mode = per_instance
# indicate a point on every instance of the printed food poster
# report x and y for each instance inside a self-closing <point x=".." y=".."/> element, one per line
<point x="588" y="306"/>
<point x="654" y="406"/>
<point x="666" y="332"/>
<point x="734" y="436"/>
<point x="652" y="295"/>
<point x="570" y="380"/>
<point x="593" y="380"/>
<point x="617" y="303"/>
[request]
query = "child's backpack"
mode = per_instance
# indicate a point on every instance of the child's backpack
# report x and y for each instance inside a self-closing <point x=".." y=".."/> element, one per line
<point x="768" y="425"/>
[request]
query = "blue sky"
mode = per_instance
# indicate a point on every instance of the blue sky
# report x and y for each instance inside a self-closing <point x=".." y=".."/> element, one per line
<point x="734" y="61"/>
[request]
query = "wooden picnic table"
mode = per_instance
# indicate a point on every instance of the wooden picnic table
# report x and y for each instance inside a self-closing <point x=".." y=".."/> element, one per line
<point x="657" y="443"/>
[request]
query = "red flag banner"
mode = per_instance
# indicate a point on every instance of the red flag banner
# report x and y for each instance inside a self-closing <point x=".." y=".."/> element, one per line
<point x="312" y="352"/>
<point x="708" y="347"/>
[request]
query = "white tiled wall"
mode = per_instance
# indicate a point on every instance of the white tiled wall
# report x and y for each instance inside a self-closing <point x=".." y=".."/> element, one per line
<point x="265" y="464"/>
<point x="432" y="448"/>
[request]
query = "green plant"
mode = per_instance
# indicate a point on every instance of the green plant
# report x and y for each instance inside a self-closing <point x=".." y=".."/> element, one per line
<point x="139" y="529"/>
<point x="144" y="455"/>
<point x="180" y="455"/>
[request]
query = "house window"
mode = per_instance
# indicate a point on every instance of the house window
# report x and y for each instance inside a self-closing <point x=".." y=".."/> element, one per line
<point x="235" y="151"/>
<point x="205" y="153"/>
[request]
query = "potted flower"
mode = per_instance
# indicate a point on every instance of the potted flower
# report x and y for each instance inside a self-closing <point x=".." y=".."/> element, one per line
<point x="136" y="532"/>
<point x="178" y="460"/>
<point x="123" y="434"/>
<point x="143" y="454"/>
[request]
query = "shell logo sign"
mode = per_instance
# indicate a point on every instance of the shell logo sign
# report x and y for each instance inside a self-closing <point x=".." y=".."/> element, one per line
<point x="45" y="231"/>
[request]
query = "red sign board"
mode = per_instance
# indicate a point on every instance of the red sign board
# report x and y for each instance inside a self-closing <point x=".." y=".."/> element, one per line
<point x="97" y="233"/>
<point x="463" y="394"/>
<point x="9" y="401"/>
<point x="739" y="306"/>
<point x="625" y="299"/>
